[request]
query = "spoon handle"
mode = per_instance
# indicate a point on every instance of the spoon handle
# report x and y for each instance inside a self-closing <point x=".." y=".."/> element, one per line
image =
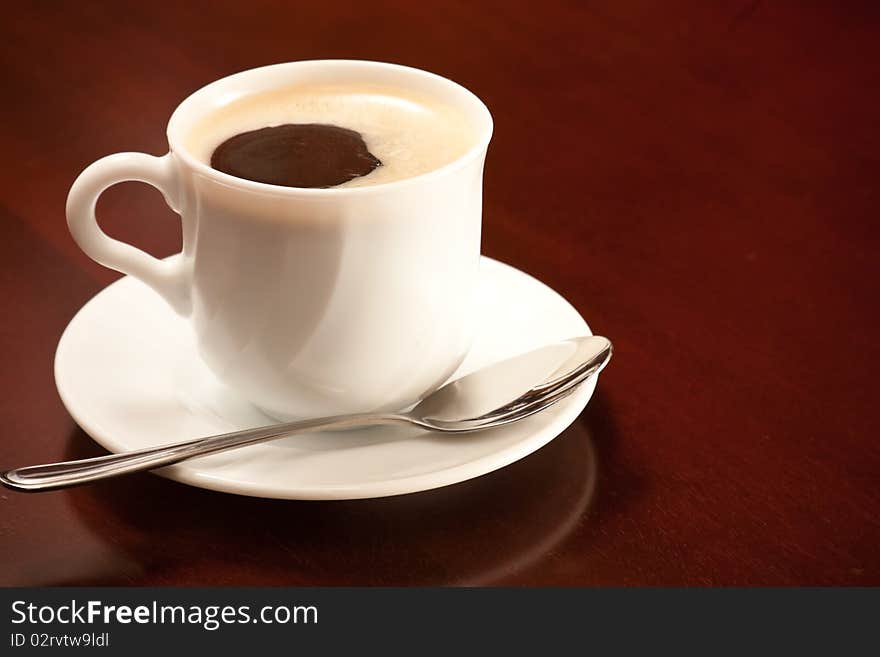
<point x="65" y="474"/>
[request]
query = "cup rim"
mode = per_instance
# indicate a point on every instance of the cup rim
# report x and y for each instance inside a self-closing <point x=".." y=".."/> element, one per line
<point x="475" y="151"/>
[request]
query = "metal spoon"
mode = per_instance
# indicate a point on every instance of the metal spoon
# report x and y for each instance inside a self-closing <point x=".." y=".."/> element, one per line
<point x="499" y="394"/>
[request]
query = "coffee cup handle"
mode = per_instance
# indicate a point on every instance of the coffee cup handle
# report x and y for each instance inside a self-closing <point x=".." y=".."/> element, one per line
<point x="170" y="278"/>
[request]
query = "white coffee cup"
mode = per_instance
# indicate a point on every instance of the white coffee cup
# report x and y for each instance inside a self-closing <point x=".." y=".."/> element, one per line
<point x="310" y="302"/>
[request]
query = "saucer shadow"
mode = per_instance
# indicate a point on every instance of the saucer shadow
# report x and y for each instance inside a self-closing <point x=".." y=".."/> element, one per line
<point x="479" y="532"/>
<point x="619" y="483"/>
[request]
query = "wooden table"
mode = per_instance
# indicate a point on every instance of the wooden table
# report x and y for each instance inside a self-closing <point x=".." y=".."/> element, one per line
<point x="701" y="181"/>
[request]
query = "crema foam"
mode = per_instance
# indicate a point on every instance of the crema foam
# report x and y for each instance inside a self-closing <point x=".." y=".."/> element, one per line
<point x="403" y="135"/>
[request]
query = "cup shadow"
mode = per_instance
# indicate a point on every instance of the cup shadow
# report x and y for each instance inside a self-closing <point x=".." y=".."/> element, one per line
<point x="480" y="532"/>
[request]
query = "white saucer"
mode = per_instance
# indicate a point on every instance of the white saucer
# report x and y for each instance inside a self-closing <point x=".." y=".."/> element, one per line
<point x="128" y="372"/>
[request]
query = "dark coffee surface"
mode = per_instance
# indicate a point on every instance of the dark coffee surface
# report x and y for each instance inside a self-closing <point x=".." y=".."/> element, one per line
<point x="296" y="155"/>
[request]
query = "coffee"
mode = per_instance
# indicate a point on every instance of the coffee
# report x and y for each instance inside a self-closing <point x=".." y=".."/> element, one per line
<point x="331" y="135"/>
<point x="296" y="155"/>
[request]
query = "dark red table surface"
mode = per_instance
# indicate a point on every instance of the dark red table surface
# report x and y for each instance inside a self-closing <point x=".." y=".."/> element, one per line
<point x="700" y="180"/>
